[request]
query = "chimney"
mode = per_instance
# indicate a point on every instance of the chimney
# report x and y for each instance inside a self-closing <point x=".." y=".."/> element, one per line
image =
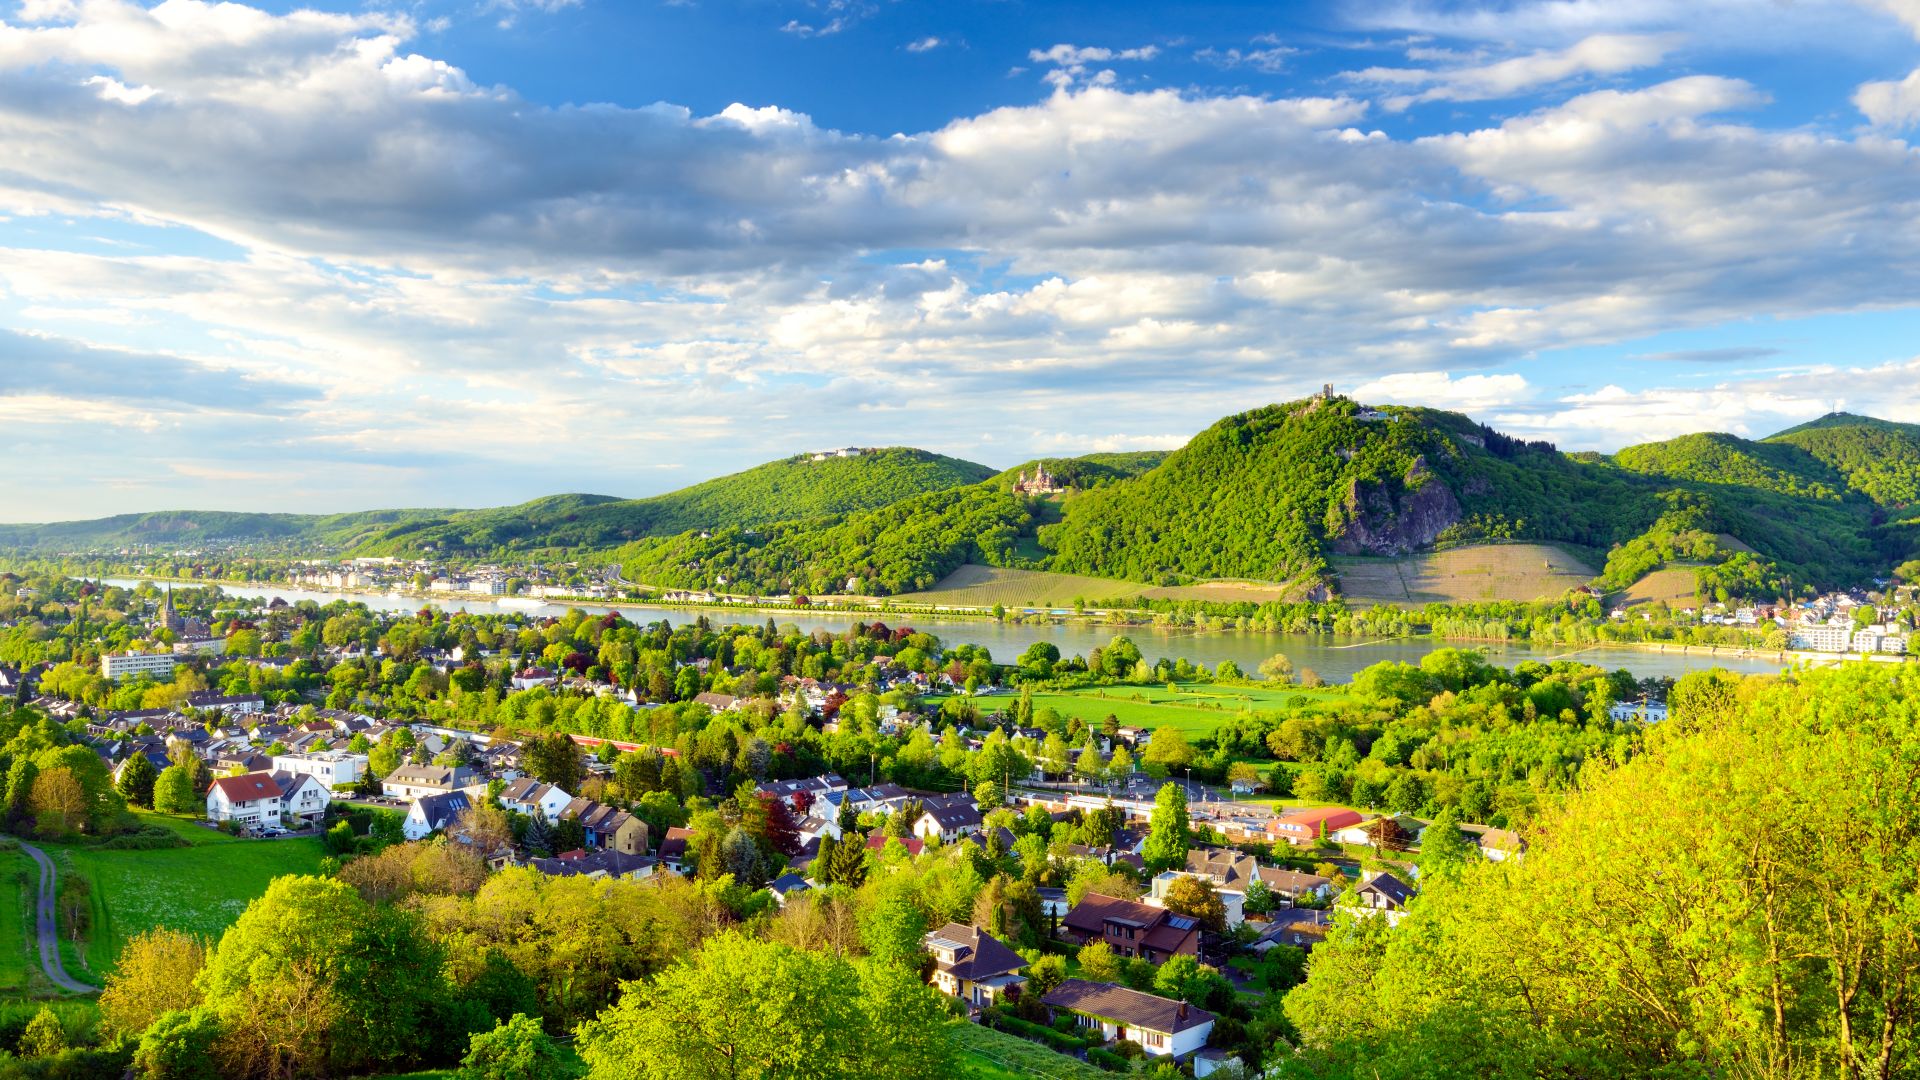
<point x="1182" y="1015"/>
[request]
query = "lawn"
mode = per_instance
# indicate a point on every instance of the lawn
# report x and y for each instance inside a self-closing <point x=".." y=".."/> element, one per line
<point x="201" y="888"/>
<point x="986" y="1054"/>
<point x="978" y="586"/>
<point x="19" y="881"/>
<point x="1463" y="575"/>
<point x="1194" y="708"/>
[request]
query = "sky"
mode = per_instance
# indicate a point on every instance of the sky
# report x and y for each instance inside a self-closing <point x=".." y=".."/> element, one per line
<point x="390" y="253"/>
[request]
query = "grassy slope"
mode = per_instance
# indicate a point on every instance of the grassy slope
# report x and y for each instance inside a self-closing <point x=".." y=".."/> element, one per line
<point x="974" y="585"/>
<point x="986" y="1054"/>
<point x="1464" y="575"/>
<point x="18" y="881"/>
<point x="201" y="888"/>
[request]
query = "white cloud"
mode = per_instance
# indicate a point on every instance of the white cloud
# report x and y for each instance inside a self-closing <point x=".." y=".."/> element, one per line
<point x="1475" y="80"/>
<point x="1890" y="104"/>
<point x="1440" y="389"/>
<point x="925" y="44"/>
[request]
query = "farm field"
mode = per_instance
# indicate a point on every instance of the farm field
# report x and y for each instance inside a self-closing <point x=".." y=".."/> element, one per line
<point x="984" y="586"/>
<point x="1674" y="585"/>
<point x="1194" y="708"/>
<point x="201" y="888"/>
<point x="986" y="1054"/>
<point x="1463" y="575"/>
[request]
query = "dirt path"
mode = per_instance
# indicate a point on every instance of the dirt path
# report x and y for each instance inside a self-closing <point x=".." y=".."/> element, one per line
<point x="49" y="929"/>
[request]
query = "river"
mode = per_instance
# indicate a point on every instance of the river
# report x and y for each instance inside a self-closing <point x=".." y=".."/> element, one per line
<point x="1335" y="659"/>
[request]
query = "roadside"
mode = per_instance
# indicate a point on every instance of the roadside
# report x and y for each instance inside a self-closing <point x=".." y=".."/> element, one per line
<point x="47" y="928"/>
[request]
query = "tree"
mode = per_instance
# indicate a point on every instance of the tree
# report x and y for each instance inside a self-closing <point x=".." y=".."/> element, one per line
<point x="743" y="1009"/>
<point x="1184" y="978"/>
<point x="154" y="975"/>
<point x="1170" y="832"/>
<point x="515" y="1050"/>
<point x="59" y="803"/>
<point x="1259" y="898"/>
<point x="1444" y="849"/>
<point x="173" y="792"/>
<point x="1195" y="896"/>
<point x="1277" y="669"/>
<point x="179" y="1046"/>
<point x="1168" y="749"/>
<point x="1098" y="962"/>
<point x="555" y="759"/>
<point x="893" y="929"/>
<point x="137" y="778"/>
<point x="44" y="1035"/>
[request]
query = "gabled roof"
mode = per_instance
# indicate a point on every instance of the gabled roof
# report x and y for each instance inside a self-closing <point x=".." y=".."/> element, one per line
<point x="978" y="955"/>
<point x="1160" y="929"/>
<point x="251" y="787"/>
<point x="441" y="809"/>
<point x="1395" y="891"/>
<point x="674" y="844"/>
<point x="953" y="815"/>
<point x="878" y="842"/>
<point x="1129" y="1007"/>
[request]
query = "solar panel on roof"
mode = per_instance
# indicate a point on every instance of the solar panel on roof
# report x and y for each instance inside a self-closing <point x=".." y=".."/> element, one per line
<point x="1181" y="922"/>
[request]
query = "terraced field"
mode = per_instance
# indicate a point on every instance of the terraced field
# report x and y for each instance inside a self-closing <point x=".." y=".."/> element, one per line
<point x="1674" y="585"/>
<point x="984" y="586"/>
<point x="1463" y="575"/>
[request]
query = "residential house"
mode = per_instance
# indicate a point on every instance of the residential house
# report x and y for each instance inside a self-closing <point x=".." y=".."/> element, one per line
<point x="1305" y="828"/>
<point x="948" y="820"/>
<point x="1497" y="845"/>
<point x="411" y="782"/>
<point x="531" y="797"/>
<point x="604" y="863"/>
<point x="433" y="812"/>
<point x="718" y="702"/>
<point x="333" y="768"/>
<point x="813" y="786"/>
<point x="1132" y="928"/>
<point x="1381" y="892"/>
<point x="787" y="886"/>
<point x="528" y="678"/>
<point x="673" y="849"/>
<point x="1302" y="928"/>
<point x="303" y="799"/>
<point x="253" y="800"/>
<point x="607" y="827"/>
<point x="879" y="841"/>
<point x="227" y="704"/>
<point x="973" y="965"/>
<point x="1162" y="1027"/>
<point x="1396" y="832"/>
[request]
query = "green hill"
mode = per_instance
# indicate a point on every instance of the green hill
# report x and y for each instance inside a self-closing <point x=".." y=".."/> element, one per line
<point x="1273" y="494"/>
<point x="788" y="489"/>
<point x="1718" y="458"/>
<point x="1878" y="458"/>
<point x="189" y="528"/>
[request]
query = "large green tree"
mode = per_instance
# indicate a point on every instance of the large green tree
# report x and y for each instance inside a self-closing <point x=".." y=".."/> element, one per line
<point x="1170" y="831"/>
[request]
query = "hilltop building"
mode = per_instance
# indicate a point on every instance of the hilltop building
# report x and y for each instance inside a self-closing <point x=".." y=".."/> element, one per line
<point x="1041" y="483"/>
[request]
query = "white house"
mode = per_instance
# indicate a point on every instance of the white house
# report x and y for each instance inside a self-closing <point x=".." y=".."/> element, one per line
<point x="333" y="768"/>
<point x="303" y="799"/>
<point x="528" y="796"/>
<point x="948" y="821"/>
<point x="973" y="965"/>
<point x="133" y="665"/>
<point x="410" y="782"/>
<point x="1162" y="1027"/>
<point x="252" y="800"/>
<point x="431" y="813"/>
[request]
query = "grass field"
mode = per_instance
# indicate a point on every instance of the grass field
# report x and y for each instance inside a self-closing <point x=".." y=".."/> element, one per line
<point x="19" y="881"/>
<point x="984" y="586"/>
<point x="1674" y="585"/>
<point x="201" y="888"/>
<point x="986" y="1054"/>
<point x="1463" y="575"/>
<point x="1195" y="708"/>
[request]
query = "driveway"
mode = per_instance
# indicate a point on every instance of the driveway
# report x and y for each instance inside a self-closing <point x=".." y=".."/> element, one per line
<point x="49" y="927"/>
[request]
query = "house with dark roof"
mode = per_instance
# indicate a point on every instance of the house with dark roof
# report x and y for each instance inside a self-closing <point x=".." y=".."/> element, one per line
<point x="1131" y="928"/>
<point x="418" y="781"/>
<point x="1302" y="928"/>
<point x="597" y="864"/>
<point x="948" y="820"/>
<point x="607" y="827"/>
<point x="787" y="886"/>
<point x="1161" y="1026"/>
<point x="529" y="796"/>
<point x="1383" y="894"/>
<point x="430" y="814"/>
<point x="673" y="849"/>
<point x="973" y="965"/>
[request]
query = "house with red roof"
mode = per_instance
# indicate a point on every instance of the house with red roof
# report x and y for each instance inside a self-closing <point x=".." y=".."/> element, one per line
<point x="253" y="800"/>
<point x="1131" y="928"/>
<point x="1304" y="828"/>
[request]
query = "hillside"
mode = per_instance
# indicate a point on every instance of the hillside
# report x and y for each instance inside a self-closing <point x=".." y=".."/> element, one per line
<point x="1878" y="458"/>
<point x="789" y="489"/>
<point x="1274" y="494"/>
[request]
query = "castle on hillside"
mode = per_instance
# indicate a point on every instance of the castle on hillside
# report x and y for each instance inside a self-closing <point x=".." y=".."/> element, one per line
<point x="1042" y="483"/>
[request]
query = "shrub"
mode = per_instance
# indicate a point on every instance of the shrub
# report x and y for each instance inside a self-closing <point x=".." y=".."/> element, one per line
<point x="179" y="1046"/>
<point x="1107" y="1059"/>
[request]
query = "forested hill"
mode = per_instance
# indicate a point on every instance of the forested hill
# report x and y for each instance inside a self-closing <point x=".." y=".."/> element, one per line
<point x="1274" y="494"/>
<point x="796" y="487"/>
<point x="1879" y="459"/>
<point x="788" y="489"/>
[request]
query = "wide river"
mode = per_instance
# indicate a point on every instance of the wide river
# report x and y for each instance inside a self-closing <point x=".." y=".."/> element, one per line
<point x="1335" y="659"/>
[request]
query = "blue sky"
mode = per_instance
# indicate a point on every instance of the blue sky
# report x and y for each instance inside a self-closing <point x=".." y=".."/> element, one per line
<point x="467" y="252"/>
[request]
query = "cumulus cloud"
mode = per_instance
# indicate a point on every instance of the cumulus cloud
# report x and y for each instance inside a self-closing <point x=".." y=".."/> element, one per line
<point x="925" y="44"/>
<point x="1893" y="103"/>
<point x="416" y="256"/>
<point x="1476" y="80"/>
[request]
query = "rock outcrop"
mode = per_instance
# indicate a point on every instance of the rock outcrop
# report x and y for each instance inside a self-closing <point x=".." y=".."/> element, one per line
<point x="1396" y="518"/>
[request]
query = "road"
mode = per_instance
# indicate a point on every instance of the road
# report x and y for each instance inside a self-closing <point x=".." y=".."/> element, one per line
<point x="49" y="927"/>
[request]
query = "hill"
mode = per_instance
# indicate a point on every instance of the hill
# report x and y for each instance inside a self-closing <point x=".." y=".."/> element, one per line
<point x="1878" y="458"/>
<point x="789" y="489"/>
<point x="1274" y="494"/>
